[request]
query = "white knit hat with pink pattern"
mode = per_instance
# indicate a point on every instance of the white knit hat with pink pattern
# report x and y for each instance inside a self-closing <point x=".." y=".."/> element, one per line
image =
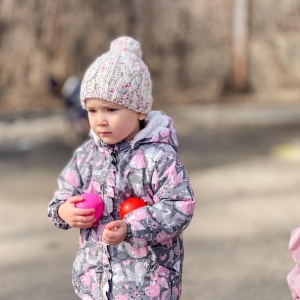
<point x="120" y="76"/>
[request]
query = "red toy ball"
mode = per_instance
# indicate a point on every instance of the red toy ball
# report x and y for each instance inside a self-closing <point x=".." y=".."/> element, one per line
<point x="92" y="201"/>
<point x="129" y="205"/>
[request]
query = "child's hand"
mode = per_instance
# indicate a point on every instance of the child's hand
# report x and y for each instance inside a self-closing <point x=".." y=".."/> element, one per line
<point x="115" y="232"/>
<point x="76" y="217"/>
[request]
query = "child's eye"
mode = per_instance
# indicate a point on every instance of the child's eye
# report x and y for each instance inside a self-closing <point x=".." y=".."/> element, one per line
<point x="111" y="110"/>
<point x="91" y="111"/>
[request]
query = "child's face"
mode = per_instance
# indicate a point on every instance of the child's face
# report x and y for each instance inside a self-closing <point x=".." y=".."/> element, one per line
<point x="111" y="122"/>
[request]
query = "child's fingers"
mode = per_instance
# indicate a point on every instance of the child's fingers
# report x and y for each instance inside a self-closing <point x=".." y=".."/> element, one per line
<point x="109" y="226"/>
<point x="85" y="211"/>
<point x="75" y="199"/>
<point x="88" y="219"/>
<point x="114" y="225"/>
<point x="114" y="233"/>
<point x="84" y="221"/>
<point x="80" y="211"/>
<point x="109" y="236"/>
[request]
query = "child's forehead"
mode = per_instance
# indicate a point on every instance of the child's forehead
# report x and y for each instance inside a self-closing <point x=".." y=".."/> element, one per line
<point x="101" y="103"/>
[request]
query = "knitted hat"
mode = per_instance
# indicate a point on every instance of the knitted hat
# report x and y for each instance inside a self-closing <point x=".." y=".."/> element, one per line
<point x="119" y="76"/>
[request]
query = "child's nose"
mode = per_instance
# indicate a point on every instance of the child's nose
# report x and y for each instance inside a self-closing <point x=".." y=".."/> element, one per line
<point x="101" y="120"/>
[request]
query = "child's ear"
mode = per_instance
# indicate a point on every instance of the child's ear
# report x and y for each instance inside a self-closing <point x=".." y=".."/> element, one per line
<point x="141" y="116"/>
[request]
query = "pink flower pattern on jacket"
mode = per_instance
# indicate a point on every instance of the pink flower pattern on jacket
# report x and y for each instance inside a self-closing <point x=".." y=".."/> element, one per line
<point x="148" y="264"/>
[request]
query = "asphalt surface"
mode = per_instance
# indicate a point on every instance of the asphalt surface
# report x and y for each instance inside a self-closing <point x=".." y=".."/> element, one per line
<point x="244" y="165"/>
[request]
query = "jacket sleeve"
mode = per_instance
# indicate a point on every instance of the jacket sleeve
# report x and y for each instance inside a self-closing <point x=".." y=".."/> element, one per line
<point x="173" y="204"/>
<point x="69" y="185"/>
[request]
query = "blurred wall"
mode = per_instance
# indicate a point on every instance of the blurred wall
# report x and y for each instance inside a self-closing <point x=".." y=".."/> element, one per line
<point x="186" y="44"/>
<point x="275" y="46"/>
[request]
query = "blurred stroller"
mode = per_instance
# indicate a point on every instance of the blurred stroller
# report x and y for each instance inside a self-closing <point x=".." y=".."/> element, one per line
<point x="76" y="122"/>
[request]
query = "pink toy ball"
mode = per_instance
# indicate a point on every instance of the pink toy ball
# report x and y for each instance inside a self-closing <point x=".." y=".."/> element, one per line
<point x="92" y="201"/>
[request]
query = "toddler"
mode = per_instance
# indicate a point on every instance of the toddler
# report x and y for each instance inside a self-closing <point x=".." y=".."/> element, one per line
<point x="132" y="152"/>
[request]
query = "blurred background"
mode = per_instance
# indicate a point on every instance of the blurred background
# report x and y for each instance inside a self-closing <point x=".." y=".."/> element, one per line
<point x="227" y="71"/>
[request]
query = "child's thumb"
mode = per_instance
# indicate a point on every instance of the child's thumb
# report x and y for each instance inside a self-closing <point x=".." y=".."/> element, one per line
<point x="75" y="199"/>
<point x="113" y="225"/>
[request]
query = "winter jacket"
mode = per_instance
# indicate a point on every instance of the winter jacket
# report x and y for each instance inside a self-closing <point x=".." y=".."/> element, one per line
<point x="148" y="264"/>
<point x="293" y="277"/>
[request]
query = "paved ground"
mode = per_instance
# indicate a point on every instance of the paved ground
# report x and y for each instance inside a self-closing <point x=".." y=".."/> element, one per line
<point x="244" y="163"/>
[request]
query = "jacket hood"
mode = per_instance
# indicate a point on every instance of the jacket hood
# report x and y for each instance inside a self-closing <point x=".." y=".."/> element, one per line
<point x="159" y="129"/>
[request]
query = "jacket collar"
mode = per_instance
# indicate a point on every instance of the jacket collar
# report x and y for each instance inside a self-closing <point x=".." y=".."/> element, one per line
<point x="157" y="124"/>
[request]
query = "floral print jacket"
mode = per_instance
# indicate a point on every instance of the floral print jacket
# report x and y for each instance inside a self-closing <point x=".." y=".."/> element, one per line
<point x="148" y="264"/>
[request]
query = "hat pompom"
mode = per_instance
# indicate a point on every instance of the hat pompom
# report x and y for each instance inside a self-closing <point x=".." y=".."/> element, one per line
<point x="126" y="44"/>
